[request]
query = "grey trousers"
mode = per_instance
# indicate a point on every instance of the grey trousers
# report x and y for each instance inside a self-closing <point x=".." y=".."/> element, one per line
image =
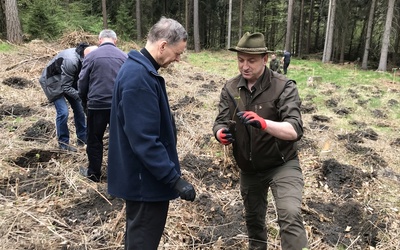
<point x="286" y="183"/>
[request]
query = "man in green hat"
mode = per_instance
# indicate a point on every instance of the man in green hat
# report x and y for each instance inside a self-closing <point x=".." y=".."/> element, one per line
<point x="259" y="114"/>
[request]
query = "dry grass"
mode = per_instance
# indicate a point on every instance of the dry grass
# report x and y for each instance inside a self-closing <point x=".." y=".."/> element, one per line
<point x="48" y="205"/>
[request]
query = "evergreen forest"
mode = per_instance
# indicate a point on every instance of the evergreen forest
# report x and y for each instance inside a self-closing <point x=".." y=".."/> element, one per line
<point x="337" y="31"/>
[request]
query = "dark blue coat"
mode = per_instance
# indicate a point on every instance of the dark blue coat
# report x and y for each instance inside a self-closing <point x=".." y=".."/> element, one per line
<point x="97" y="77"/>
<point x="286" y="57"/>
<point x="142" y="156"/>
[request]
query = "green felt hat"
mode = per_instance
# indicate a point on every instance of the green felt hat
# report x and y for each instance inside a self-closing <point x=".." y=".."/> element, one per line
<point x="251" y="43"/>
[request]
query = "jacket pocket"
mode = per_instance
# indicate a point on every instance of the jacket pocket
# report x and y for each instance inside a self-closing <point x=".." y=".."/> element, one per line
<point x="53" y="88"/>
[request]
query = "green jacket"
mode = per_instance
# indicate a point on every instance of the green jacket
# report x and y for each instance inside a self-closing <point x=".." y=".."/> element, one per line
<point x="274" y="65"/>
<point x="275" y="98"/>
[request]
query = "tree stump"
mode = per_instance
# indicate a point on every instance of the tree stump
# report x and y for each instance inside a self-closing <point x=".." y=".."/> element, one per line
<point x="313" y="81"/>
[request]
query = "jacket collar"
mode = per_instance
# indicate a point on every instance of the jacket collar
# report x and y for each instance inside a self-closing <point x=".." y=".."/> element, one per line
<point x="263" y="82"/>
<point x="146" y="53"/>
<point x="140" y="58"/>
<point x="107" y="43"/>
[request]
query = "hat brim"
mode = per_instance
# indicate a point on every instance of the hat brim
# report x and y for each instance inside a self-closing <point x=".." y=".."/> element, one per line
<point x="250" y="50"/>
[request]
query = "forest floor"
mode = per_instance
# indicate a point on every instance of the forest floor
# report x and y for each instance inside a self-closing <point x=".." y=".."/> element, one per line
<point x="352" y="176"/>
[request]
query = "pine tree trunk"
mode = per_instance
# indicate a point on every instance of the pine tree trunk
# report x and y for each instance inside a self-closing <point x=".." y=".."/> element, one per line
<point x="104" y="11"/>
<point x="288" y="40"/>
<point x="187" y="15"/>
<point x="386" y="37"/>
<point x="301" y="30"/>
<point x="14" y="32"/>
<point x="229" y="24"/>
<point x="330" y="26"/>
<point x="196" y="34"/>
<point x="138" y="21"/>
<point x="310" y="22"/>
<point x="240" y="19"/>
<point x="364" y="64"/>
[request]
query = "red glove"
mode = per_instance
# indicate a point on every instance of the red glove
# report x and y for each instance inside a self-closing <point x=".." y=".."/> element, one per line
<point x="251" y="118"/>
<point x="224" y="136"/>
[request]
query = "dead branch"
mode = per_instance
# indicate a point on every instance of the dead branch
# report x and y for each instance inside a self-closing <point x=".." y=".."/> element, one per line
<point x="27" y="60"/>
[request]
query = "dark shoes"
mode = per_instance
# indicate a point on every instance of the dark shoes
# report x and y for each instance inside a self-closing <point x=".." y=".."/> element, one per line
<point x="68" y="148"/>
<point x="80" y="143"/>
<point x="84" y="172"/>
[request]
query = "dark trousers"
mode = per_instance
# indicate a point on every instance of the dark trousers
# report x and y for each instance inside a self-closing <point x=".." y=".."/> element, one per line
<point x="97" y="121"/>
<point x="285" y="67"/>
<point x="145" y="222"/>
<point x="286" y="183"/>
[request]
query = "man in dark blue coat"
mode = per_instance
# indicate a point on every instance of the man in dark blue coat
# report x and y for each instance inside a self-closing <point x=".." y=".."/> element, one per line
<point x="96" y="85"/>
<point x="143" y="165"/>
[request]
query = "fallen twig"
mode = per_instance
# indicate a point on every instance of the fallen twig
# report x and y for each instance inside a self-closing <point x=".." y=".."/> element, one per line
<point x="27" y="60"/>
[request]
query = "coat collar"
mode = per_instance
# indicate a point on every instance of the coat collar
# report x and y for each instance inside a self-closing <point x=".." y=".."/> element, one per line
<point x="263" y="82"/>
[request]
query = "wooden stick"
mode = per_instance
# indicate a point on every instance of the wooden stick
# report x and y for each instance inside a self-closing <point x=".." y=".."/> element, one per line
<point x="27" y="60"/>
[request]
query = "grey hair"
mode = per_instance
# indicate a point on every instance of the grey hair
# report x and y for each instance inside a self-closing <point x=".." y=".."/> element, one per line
<point x="169" y="29"/>
<point x="108" y="34"/>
